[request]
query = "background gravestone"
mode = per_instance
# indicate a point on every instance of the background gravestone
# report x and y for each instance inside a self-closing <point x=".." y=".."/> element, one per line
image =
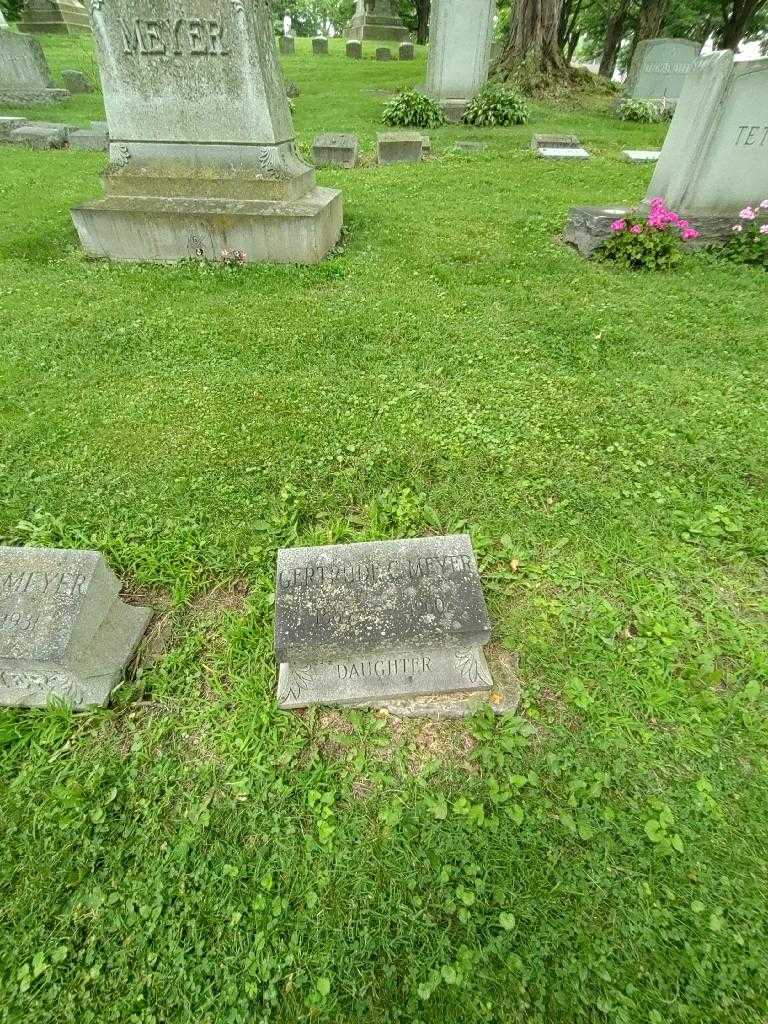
<point x="287" y="45"/>
<point x="461" y="32"/>
<point x="390" y="619"/>
<point x="659" y="67"/>
<point x="3" y="22"/>
<point x="64" y="632"/>
<point x="715" y="157"/>
<point x="62" y="17"/>
<point x="375" y="19"/>
<point x="25" y="78"/>
<point x="203" y="156"/>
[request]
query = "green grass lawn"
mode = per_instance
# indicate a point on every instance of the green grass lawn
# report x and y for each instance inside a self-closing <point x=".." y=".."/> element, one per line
<point x="194" y="855"/>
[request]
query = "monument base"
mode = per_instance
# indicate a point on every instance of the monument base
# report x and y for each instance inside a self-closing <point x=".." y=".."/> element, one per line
<point x="454" y="110"/>
<point x="385" y="28"/>
<point x="588" y="227"/>
<point x="145" y="229"/>
<point x="58" y="17"/>
<point x="394" y="675"/>
<point x="31" y="97"/>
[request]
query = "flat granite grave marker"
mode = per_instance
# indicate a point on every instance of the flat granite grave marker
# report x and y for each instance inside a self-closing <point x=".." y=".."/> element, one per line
<point x="373" y="621"/>
<point x="335" y="149"/>
<point x="64" y="632"/>
<point x="203" y="156"/>
<point x="400" y="147"/>
<point x="641" y="156"/>
<point x="659" y="67"/>
<point x="25" y="78"/>
<point x="461" y="32"/>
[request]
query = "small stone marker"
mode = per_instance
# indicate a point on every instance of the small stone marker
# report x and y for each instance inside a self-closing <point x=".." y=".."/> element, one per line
<point x="336" y="149"/>
<point x="460" y="36"/>
<point x="562" y="153"/>
<point x="354" y="50"/>
<point x="292" y="89"/>
<point x="287" y="45"/>
<point x="76" y="82"/>
<point x="406" y="51"/>
<point x="659" y="67"/>
<point x="89" y="138"/>
<point x="391" y="619"/>
<point x="64" y="632"/>
<point x="320" y="45"/>
<point x="400" y="147"/>
<point x="589" y="226"/>
<point x="555" y="141"/>
<point x="39" y="136"/>
<point x="471" y="147"/>
<point x="383" y="53"/>
<point x="641" y="156"/>
<point x="25" y="78"/>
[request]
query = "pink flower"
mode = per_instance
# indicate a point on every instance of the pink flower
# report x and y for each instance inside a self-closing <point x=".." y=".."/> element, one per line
<point x="764" y="229"/>
<point x="618" y="225"/>
<point x="636" y="229"/>
<point x="690" y="233"/>
<point x="737" y="228"/>
<point x="747" y="213"/>
<point x="683" y="225"/>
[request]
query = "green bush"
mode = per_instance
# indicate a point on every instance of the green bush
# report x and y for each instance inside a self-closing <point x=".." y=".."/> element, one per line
<point x="411" y="109"/>
<point x="495" y="105"/>
<point x="748" y="244"/>
<point x="645" y="111"/>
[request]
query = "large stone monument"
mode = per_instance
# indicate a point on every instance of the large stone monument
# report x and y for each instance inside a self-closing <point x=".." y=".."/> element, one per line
<point x="375" y="19"/>
<point x="25" y="78"/>
<point x="461" y="33"/>
<point x="361" y="623"/>
<point x="64" y="632"/>
<point x="54" y="16"/>
<point x="659" y="67"/>
<point x="203" y="158"/>
<point x="714" y="160"/>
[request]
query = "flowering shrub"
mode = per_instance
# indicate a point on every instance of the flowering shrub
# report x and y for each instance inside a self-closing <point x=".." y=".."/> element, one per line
<point x="749" y="242"/>
<point x="412" y="109"/>
<point x="645" y="111"/>
<point x="495" y="105"/>
<point x="650" y="244"/>
<point x="234" y="257"/>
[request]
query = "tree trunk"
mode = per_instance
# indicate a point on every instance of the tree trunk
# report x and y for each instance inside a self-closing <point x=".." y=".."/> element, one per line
<point x="733" y="29"/>
<point x="614" y="33"/>
<point x="533" y="39"/>
<point x="649" y="23"/>
<point x="422" y="21"/>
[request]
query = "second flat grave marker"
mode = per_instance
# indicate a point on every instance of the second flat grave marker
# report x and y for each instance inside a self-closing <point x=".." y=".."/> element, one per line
<point x="389" y="619"/>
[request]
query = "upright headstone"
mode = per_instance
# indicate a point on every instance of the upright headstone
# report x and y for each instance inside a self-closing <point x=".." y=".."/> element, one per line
<point x="76" y="81"/>
<point x="659" y="67"/>
<point x="320" y="46"/>
<point x="335" y="149"/>
<point x="62" y="17"/>
<point x="375" y="19"/>
<point x="361" y="622"/>
<point x="25" y="78"/>
<point x="383" y="53"/>
<point x="400" y="147"/>
<point x="64" y="632"/>
<point x="354" y="50"/>
<point x="287" y="45"/>
<point x="203" y="158"/>
<point x="461" y="32"/>
<point x="715" y="157"/>
<point x="406" y="51"/>
<point x="714" y="161"/>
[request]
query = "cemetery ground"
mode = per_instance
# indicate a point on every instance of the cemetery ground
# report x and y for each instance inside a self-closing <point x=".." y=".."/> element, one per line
<point x="191" y="854"/>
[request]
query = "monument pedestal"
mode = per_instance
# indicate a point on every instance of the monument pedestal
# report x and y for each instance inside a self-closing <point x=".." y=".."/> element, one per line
<point x="157" y="229"/>
<point x="59" y="17"/>
<point x="375" y="20"/>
